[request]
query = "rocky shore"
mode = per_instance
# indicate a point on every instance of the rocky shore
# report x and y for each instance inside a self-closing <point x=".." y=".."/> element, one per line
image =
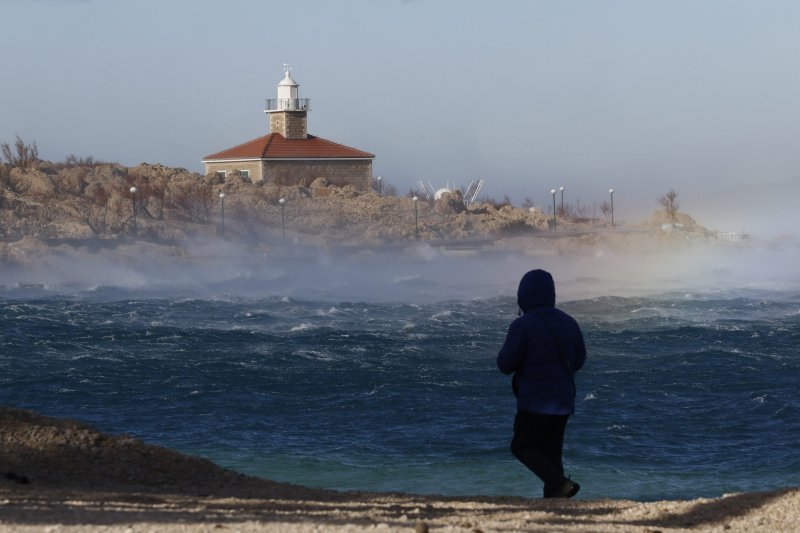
<point x="86" y="201"/>
<point x="73" y="225"/>
<point x="61" y="475"/>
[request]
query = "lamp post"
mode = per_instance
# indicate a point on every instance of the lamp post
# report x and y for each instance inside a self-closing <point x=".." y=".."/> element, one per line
<point x="222" y="211"/>
<point x="611" y="192"/>
<point x="282" y="202"/>
<point x="562" y="200"/>
<point x="133" y="200"/>
<point x="416" y="218"/>
<point x="380" y="185"/>
<point x="553" y="192"/>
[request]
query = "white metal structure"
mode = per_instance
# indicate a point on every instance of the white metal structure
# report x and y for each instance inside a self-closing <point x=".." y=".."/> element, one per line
<point x="472" y="191"/>
<point x="470" y="194"/>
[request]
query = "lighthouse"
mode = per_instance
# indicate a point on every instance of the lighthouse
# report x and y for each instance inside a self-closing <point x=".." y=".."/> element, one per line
<point x="288" y="113"/>
<point x="288" y="154"/>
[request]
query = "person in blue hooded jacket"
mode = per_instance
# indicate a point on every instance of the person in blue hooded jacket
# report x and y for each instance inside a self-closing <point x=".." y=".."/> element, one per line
<point x="543" y="349"/>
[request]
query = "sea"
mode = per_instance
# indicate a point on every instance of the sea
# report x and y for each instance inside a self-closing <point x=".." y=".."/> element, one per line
<point x="376" y="371"/>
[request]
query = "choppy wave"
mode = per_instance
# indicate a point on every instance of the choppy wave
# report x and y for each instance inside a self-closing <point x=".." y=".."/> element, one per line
<point x="682" y="395"/>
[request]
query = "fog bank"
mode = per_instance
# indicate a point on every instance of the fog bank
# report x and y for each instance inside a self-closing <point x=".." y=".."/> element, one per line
<point x="409" y="273"/>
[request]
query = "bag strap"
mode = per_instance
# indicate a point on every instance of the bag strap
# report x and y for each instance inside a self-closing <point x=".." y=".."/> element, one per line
<point x="564" y="359"/>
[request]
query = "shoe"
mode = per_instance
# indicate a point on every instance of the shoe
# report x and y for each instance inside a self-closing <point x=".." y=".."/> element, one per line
<point x="568" y="489"/>
<point x="22" y="480"/>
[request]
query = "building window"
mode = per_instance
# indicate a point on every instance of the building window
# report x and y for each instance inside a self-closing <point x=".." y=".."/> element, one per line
<point x="245" y="173"/>
<point x="221" y="174"/>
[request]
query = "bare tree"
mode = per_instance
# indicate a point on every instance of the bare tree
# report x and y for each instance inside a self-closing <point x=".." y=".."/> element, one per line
<point x="21" y="155"/>
<point x="605" y="208"/>
<point x="151" y="194"/>
<point x="669" y="200"/>
<point x="569" y="210"/>
<point x="193" y="200"/>
<point x="389" y="189"/>
<point x="104" y="209"/>
<point x="94" y="210"/>
<point x="582" y="213"/>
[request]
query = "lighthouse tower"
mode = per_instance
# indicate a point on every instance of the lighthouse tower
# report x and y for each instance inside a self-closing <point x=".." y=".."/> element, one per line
<point x="288" y="154"/>
<point x="288" y="113"/>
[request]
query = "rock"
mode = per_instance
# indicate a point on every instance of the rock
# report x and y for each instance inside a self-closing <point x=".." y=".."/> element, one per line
<point x="319" y="183"/>
<point x="172" y="203"/>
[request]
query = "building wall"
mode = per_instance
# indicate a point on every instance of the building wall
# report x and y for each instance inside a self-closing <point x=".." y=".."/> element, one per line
<point x="357" y="173"/>
<point x="254" y="167"/>
<point x="290" y="124"/>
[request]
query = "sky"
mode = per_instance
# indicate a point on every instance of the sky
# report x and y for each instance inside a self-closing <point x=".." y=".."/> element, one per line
<point x="643" y="96"/>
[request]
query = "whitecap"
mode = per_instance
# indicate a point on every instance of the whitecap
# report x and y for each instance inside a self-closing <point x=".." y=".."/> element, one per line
<point x="315" y="355"/>
<point x="590" y="396"/>
<point x="303" y="326"/>
<point x="640" y="309"/>
<point x="415" y="280"/>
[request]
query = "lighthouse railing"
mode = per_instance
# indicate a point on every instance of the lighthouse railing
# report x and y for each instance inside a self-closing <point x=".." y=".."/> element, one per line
<point x="287" y="104"/>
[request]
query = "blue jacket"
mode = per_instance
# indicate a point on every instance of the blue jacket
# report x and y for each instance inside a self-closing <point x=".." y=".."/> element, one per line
<point x="541" y="383"/>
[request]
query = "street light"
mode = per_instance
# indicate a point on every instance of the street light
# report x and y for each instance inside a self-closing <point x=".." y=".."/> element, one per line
<point x="222" y="211"/>
<point x="380" y="185"/>
<point x="133" y="199"/>
<point x="416" y="218"/>
<point x="611" y="192"/>
<point x="282" y="202"/>
<point x="562" y="200"/>
<point x="553" y="192"/>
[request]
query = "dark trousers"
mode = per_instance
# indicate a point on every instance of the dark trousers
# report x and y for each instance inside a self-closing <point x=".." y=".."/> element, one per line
<point x="537" y="443"/>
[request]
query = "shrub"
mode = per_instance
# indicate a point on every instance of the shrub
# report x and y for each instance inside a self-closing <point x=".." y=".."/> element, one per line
<point x="669" y="200"/>
<point x="21" y="155"/>
<point x="94" y="210"/>
<point x="151" y="194"/>
<point x="5" y="174"/>
<point x="73" y="161"/>
<point x="494" y="203"/>
<point x="193" y="200"/>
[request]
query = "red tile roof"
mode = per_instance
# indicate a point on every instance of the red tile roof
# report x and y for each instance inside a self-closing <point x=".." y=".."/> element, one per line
<point x="276" y="146"/>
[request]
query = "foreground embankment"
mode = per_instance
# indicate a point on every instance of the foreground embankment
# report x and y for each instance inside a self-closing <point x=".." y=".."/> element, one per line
<point x="61" y="475"/>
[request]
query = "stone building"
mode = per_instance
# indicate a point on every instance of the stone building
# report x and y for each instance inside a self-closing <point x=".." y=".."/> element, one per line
<point x="288" y="155"/>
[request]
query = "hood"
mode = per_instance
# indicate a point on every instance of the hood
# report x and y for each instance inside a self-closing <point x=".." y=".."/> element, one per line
<point x="536" y="289"/>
